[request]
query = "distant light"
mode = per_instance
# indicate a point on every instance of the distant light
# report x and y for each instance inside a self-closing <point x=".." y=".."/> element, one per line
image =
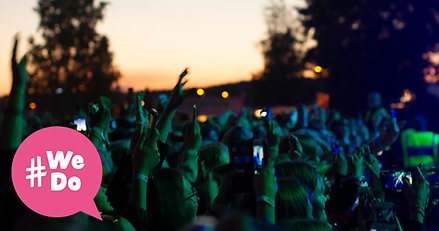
<point x="318" y="69"/>
<point x="31" y="91"/>
<point x="202" y="118"/>
<point x="407" y="96"/>
<point x="263" y="113"/>
<point x="257" y="113"/>
<point x="309" y="74"/>
<point x="59" y="91"/>
<point x="397" y="105"/>
<point x="380" y="153"/>
<point x="200" y="91"/>
<point x="81" y="87"/>
<point x="225" y="94"/>
<point x="33" y="106"/>
<point x="143" y="103"/>
<point x="434" y="58"/>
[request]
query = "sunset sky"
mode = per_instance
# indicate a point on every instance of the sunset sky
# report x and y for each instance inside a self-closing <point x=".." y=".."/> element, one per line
<point x="153" y="41"/>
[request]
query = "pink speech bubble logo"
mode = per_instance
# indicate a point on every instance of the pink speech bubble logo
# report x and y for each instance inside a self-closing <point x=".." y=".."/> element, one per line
<point x="57" y="172"/>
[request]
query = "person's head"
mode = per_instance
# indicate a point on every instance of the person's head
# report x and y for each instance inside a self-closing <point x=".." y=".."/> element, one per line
<point x="259" y="130"/>
<point x="292" y="118"/>
<point x="318" y="118"/>
<point x="100" y="112"/>
<point x="305" y="225"/>
<point x="237" y="134"/>
<point x="171" y="199"/>
<point x="237" y="221"/>
<point x="127" y="109"/>
<point x="420" y="123"/>
<point x="342" y="132"/>
<point x="209" y="132"/>
<point x="292" y="200"/>
<point x="374" y="100"/>
<point x="308" y="175"/>
<point x="285" y="145"/>
<point x="312" y="151"/>
<point x="213" y="155"/>
<point x="363" y="132"/>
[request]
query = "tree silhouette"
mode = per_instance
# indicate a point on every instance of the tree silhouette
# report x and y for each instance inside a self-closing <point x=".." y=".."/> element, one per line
<point x="72" y="57"/>
<point x="281" y="52"/>
<point x="372" y="45"/>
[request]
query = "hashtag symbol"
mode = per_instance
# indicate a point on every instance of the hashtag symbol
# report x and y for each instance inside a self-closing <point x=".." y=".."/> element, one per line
<point x="35" y="172"/>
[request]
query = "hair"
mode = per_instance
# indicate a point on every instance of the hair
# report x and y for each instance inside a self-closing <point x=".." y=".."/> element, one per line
<point x="284" y="145"/>
<point x="375" y="96"/>
<point x="312" y="150"/>
<point x="291" y="199"/>
<point x="304" y="172"/>
<point x="206" y="130"/>
<point x="212" y="155"/>
<point x="165" y="200"/>
<point x="236" y="135"/>
<point x="305" y="225"/>
<point x="339" y="129"/>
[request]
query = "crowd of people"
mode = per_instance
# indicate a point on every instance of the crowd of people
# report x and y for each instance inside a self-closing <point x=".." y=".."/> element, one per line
<point x="317" y="170"/>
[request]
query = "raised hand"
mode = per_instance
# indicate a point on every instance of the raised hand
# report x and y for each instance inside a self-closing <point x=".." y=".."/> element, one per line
<point x="340" y="165"/>
<point x="192" y="137"/>
<point x="273" y="133"/>
<point x="19" y="73"/>
<point x="296" y="150"/>
<point x="372" y="165"/>
<point x="176" y="99"/>
<point x="146" y="156"/>
<point x="100" y="113"/>
<point x="356" y="160"/>
<point x="142" y="120"/>
<point x="417" y="194"/>
<point x="141" y="113"/>
<point x="265" y="184"/>
<point x="177" y="95"/>
<point x="11" y="131"/>
<point x="390" y="133"/>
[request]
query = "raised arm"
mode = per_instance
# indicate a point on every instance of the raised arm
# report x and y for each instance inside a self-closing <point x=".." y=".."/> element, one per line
<point x="417" y="194"/>
<point x="192" y="143"/>
<point x="145" y="159"/>
<point x="12" y="127"/>
<point x="176" y="99"/>
<point x="265" y="186"/>
<point x="273" y="138"/>
<point x="386" y="138"/>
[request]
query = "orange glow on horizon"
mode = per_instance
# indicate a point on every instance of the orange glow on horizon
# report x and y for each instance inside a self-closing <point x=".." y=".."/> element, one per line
<point x="217" y="41"/>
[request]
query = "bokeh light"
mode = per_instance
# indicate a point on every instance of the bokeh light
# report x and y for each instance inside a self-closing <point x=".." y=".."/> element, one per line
<point x="202" y="118"/>
<point x="200" y="92"/>
<point x="225" y="94"/>
<point x="257" y="113"/>
<point x="32" y="106"/>
<point x="318" y="69"/>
